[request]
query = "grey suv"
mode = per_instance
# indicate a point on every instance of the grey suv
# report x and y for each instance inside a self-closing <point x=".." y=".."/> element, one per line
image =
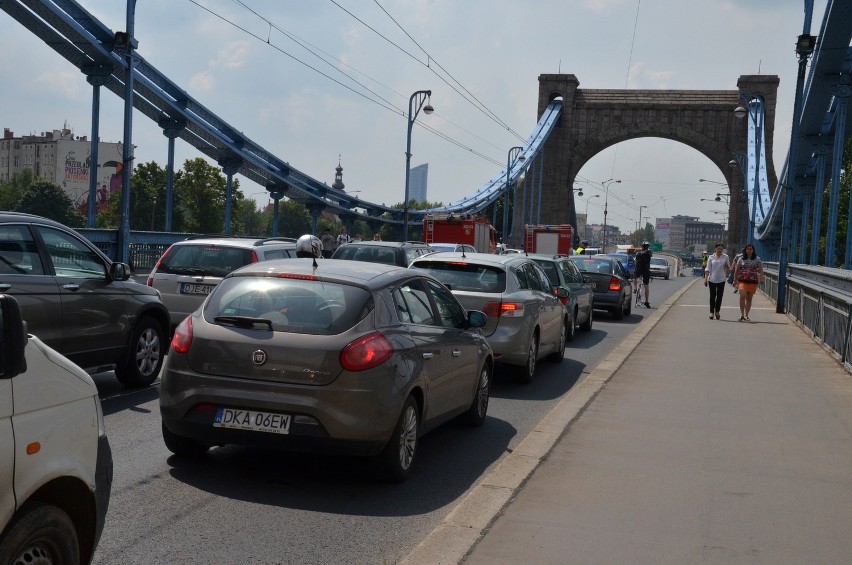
<point x="189" y="270"/>
<point x="399" y="253"/>
<point x="79" y="302"/>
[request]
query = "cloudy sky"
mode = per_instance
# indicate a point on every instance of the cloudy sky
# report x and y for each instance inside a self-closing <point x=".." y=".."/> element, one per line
<point x="315" y="81"/>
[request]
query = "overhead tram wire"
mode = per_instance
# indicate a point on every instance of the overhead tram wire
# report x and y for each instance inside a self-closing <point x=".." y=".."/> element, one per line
<point x="483" y="106"/>
<point x="381" y="102"/>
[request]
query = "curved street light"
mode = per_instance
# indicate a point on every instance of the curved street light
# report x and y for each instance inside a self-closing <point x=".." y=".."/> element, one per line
<point x="418" y="99"/>
<point x="587" y="210"/>
<point x="605" y="184"/>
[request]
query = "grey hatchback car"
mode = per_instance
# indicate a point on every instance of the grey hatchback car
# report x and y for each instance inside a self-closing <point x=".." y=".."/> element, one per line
<point x="345" y="357"/>
<point x="526" y="319"/>
<point x="79" y="302"/>
<point x="189" y="270"/>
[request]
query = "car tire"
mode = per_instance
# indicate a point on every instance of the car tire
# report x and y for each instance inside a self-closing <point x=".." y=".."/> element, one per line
<point x="559" y="354"/>
<point x="571" y="325"/>
<point x="397" y="458"/>
<point x="587" y="325"/>
<point x="525" y="372"/>
<point x="40" y="533"/>
<point x="629" y="307"/>
<point x="183" y="446"/>
<point x="475" y="415"/>
<point x="618" y="312"/>
<point x="145" y="353"/>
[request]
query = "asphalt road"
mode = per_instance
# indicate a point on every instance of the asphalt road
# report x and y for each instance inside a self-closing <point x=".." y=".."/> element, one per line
<point x="242" y="504"/>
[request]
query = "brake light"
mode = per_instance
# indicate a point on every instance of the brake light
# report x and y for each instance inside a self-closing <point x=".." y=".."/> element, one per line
<point x="254" y="258"/>
<point x="614" y="284"/>
<point x="564" y="300"/>
<point x="183" y="336"/>
<point x="298" y="277"/>
<point x="366" y="352"/>
<point x="504" y="309"/>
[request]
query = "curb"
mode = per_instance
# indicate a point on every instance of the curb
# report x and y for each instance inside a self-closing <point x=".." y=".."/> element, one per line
<point x="469" y="521"/>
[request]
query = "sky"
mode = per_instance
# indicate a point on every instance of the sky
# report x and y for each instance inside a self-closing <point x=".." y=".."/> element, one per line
<point x="317" y="82"/>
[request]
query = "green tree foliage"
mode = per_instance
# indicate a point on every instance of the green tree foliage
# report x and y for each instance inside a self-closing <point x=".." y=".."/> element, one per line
<point x="293" y="219"/>
<point x="200" y="198"/>
<point x="44" y="198"/>
<point x="12" y="190"/>
<point x="842" y="216"/>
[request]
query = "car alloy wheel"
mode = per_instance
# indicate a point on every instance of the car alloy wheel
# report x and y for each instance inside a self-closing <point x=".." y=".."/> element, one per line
<point x="527" y="370"/>
<point x="475" y="415"/>
<point x="398" y="455"/>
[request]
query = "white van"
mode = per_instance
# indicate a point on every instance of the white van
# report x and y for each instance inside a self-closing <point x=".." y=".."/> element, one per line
<point x="55" y="459"/>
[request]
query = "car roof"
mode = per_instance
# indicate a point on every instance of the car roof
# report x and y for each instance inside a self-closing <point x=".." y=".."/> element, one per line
<point x="7" y="216"/>
<point x="237" y="241"/>
<point x="360" y="272"/>
<point x="479" y="258"/>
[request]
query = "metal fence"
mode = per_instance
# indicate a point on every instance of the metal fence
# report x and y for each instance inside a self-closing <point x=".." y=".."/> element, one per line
<point x="819" y="299"/>
<point x="145" y="249"/>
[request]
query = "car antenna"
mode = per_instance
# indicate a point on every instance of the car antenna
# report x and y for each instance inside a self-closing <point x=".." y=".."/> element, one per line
<point x="463" y="254"/>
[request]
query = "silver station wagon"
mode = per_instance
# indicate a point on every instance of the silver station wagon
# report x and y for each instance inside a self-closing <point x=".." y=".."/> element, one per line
<point x="526" y="318"/>
<point x="339" y="356"/>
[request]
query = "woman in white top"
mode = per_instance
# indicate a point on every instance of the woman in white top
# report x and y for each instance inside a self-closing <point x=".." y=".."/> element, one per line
<point x="715" y="276"/>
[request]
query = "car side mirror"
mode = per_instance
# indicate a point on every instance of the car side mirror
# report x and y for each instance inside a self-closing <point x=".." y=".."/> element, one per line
<point x="119" y="271"/>
<point x="13" y="338"/>
<point x="476" y="318"/>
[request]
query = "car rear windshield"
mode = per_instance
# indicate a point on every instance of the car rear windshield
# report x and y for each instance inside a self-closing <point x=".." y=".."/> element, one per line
<point x="592" y="265"/>
<point x="549" y="268"/>
<point x="206" y="260"/>
<point x="461" y="275"/>
<point x="288" y="305"/>
<point x="368" y="253"/>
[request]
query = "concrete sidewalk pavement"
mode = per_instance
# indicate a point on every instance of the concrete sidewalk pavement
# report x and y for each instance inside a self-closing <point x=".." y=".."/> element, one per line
<point x="696" y="441"/>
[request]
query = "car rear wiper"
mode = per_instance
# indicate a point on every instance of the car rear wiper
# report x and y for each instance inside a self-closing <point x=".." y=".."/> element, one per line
<point x="243" y="321"/>
<point x="188" y="271"/>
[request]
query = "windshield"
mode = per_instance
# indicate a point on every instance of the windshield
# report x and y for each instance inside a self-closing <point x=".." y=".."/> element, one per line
<point x="461" y="275"/>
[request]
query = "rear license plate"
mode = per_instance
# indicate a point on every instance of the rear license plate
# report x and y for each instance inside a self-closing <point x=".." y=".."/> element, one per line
<point x="191" y="288"/>
<point x="252" y="420"/>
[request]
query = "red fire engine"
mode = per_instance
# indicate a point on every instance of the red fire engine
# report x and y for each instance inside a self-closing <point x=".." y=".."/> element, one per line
<point x="549" y="239"/>
<point x="460" y="228"/>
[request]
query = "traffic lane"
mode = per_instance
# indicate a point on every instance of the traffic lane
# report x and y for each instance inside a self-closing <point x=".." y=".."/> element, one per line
<point x="238" y="503"/>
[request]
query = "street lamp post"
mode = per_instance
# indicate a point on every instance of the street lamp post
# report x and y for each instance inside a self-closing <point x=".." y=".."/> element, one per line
<point x="605" y="184"/>
<point x="516" y="151"/>
<point x="587" y="208"/>
<point x="417" y="99"/>
<point x="755" y="112"/>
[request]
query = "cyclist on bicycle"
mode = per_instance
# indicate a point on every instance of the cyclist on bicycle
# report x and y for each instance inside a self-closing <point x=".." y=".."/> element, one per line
<point x="643" y="269"/>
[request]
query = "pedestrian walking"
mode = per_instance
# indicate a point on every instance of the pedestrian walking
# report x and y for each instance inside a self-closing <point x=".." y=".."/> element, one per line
<point x="342" y="239"/>
<point x="748" y="272"/>
<point x="715" y="276"/>
<point x="327" y="243"/>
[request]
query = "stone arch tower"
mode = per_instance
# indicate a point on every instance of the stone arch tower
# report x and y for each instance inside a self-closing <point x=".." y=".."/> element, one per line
<point x="593" y="120"/>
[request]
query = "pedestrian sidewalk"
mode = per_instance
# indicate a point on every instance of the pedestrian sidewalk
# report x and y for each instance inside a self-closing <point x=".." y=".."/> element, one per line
<point x="696" y="441"/>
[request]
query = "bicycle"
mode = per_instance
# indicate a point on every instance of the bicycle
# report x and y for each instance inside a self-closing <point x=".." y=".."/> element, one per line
<point x="640" y="291"/>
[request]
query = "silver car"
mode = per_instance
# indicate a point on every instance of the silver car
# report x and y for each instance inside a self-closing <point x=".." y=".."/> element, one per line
<point x="189" y="270"/>
<point x="526" y="319"/>
<point x="660" y="268"/>
<point x="348" y="357"/>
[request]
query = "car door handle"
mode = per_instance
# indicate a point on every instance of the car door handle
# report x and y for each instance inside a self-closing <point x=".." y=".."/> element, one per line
<point x="71" y="286"/>
<point x="456" y="353"/>
<point x="5" y="286"/>
<point x="428" y="355"/>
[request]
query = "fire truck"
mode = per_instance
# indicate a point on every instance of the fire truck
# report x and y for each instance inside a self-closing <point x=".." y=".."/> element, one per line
<point x="549" y="239"/>
<point x="460" y="228"/>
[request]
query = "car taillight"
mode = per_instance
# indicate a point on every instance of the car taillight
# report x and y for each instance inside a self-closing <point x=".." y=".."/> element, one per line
<point x="366" y="352"/>
<point x="564" y="300"/>
<point x="183" y="336"/>
<point x="614" y="284"/>
<point x="254" y="258"/>
<point x="504" y="309"/>
<point x="150" y="281"/>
